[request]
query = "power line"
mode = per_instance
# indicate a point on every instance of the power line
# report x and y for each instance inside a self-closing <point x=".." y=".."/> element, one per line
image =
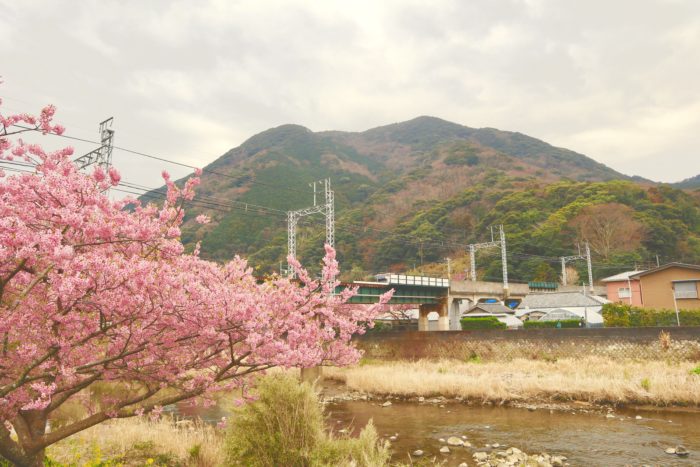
<point x="210" y="199"/>
<point x="202" y="202"/>
<point x="169" y="161"/>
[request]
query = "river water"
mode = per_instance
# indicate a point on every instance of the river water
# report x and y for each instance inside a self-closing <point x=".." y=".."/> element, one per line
<point x="586" y="439"/>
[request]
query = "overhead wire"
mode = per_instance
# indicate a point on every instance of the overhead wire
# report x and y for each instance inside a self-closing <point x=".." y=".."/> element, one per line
<point x="170" y="161"/>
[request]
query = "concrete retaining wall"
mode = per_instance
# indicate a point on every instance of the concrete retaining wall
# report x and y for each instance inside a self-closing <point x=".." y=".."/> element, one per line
<point x="681" y="343"/>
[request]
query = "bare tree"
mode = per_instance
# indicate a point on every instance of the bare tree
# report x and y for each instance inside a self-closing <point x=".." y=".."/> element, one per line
<point x="608" y="228"/>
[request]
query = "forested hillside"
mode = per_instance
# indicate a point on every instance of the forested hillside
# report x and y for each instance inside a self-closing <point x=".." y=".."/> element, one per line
<point x="411" y="194"/>
<point x="692" y="182"/>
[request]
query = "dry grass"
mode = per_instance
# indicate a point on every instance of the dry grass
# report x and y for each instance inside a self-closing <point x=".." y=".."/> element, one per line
<point x="591" y="379"/>
<point x="139" y="441"/>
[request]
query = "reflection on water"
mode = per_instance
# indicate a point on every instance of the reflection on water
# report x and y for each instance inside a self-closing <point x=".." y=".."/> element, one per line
<point x="211" y="415"/>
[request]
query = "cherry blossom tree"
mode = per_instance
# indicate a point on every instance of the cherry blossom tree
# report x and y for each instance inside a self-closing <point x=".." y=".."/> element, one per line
<point x="97" y="292"/>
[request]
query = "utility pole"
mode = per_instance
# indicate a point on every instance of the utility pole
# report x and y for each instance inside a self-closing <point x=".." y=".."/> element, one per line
<point x="328" y="211"/>
<point x="590" y="267"/>
<point x="675" y="305"/>
<point x="493" y="243"/>
<point x="101" y="156"/>
<point x="504" y="260"/>
<point x="449" y="268"/>
<point x="472" y="262"/>
<point x="587" y="257"/>
<point x="420" y="253"/>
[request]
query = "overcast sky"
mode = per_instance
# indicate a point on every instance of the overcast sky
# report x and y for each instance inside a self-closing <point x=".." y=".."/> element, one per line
<point x="616" y="80"/>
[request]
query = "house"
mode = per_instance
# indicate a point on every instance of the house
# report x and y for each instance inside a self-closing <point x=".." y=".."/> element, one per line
<point x="578" y="304"/>
<point x="670" y="285"/>
<point x="624" y="288"/>
<point x="498" y="310"/>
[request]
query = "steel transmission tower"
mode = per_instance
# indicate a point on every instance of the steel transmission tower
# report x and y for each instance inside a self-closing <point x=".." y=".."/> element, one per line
<point x="328" y="211"/>
<point x="101" y="156"/>
<point x="501" y="242"/>
<point x="586" y="256"/>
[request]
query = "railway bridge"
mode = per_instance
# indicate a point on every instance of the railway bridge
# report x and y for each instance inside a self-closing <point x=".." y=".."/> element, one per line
<point x="447" y="298"/>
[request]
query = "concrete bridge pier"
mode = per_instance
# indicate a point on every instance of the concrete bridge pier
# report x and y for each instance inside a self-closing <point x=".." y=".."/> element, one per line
<point x="423" y="318"/>
<point x="441" y="309"/>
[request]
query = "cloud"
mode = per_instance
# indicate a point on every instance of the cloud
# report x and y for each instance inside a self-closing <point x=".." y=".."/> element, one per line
<point x="616" y="81"/>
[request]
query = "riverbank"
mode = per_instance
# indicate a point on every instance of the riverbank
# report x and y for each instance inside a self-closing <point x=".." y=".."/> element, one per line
<point x="589" y="380"/>
<point x="140" y="441"/>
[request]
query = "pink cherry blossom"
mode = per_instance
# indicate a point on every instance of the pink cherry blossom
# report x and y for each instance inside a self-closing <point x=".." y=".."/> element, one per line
<point x="202" y="219"/>
<point x="93" y="293"/>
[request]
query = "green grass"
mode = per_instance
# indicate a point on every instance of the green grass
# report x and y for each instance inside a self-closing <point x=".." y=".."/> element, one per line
<point x="645" y="384"/>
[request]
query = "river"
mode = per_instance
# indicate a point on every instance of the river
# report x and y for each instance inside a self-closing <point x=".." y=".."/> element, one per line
<point x="586" y="439"/>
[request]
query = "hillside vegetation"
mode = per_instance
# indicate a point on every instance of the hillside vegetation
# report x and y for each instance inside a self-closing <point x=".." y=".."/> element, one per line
<point x="692" y="182"/>
<point x="410" y="194"/>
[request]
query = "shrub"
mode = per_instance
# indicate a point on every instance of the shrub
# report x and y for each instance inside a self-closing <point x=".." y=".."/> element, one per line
<point x="622" y="315"/>
<point x="564" y="323"/>
<point x="486" y="322"/>
<point x="285" y="426"/>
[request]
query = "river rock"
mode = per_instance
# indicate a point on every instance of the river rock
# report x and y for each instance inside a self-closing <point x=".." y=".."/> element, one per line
<point x="421" y="399"/>
<point x="444" y="450"/>
<point x="610" y="415"/>
<point x="392" y="438"/>
<point x="495" y="445"/>
<point x="681" y="451"/>
<point x="480" y="456"/>
<point x="463" y="464"/>
<point x="442" y="440"/>
<point x="464" y="437"/>
<point x="557" y="461"/>
<point x="386" y="404"/>
<point x="670" y="450"/>
<point x="638" y="417"/>
<point x="513" y="459"/>
<point x="417" y="453"/>
<point x="454" y="441"/>
<point x="467" y="444"/>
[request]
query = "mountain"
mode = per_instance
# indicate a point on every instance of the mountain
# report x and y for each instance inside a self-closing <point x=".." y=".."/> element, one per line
<point x="692" y="183"/>
<point x="412" y="193"/>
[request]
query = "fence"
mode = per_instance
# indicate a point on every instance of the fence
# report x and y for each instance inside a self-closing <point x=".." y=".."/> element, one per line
<point x="662" y="343"/>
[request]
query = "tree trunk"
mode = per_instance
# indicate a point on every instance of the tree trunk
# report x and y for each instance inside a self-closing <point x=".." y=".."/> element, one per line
<point x="30" y="426"/>
<point x="19" y="458"/>
<point x="36" y="460"/>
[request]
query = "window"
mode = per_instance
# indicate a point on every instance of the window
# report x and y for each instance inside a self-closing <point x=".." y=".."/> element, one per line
<point x="685" y="289"/>
<point x="624" y="292"/>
